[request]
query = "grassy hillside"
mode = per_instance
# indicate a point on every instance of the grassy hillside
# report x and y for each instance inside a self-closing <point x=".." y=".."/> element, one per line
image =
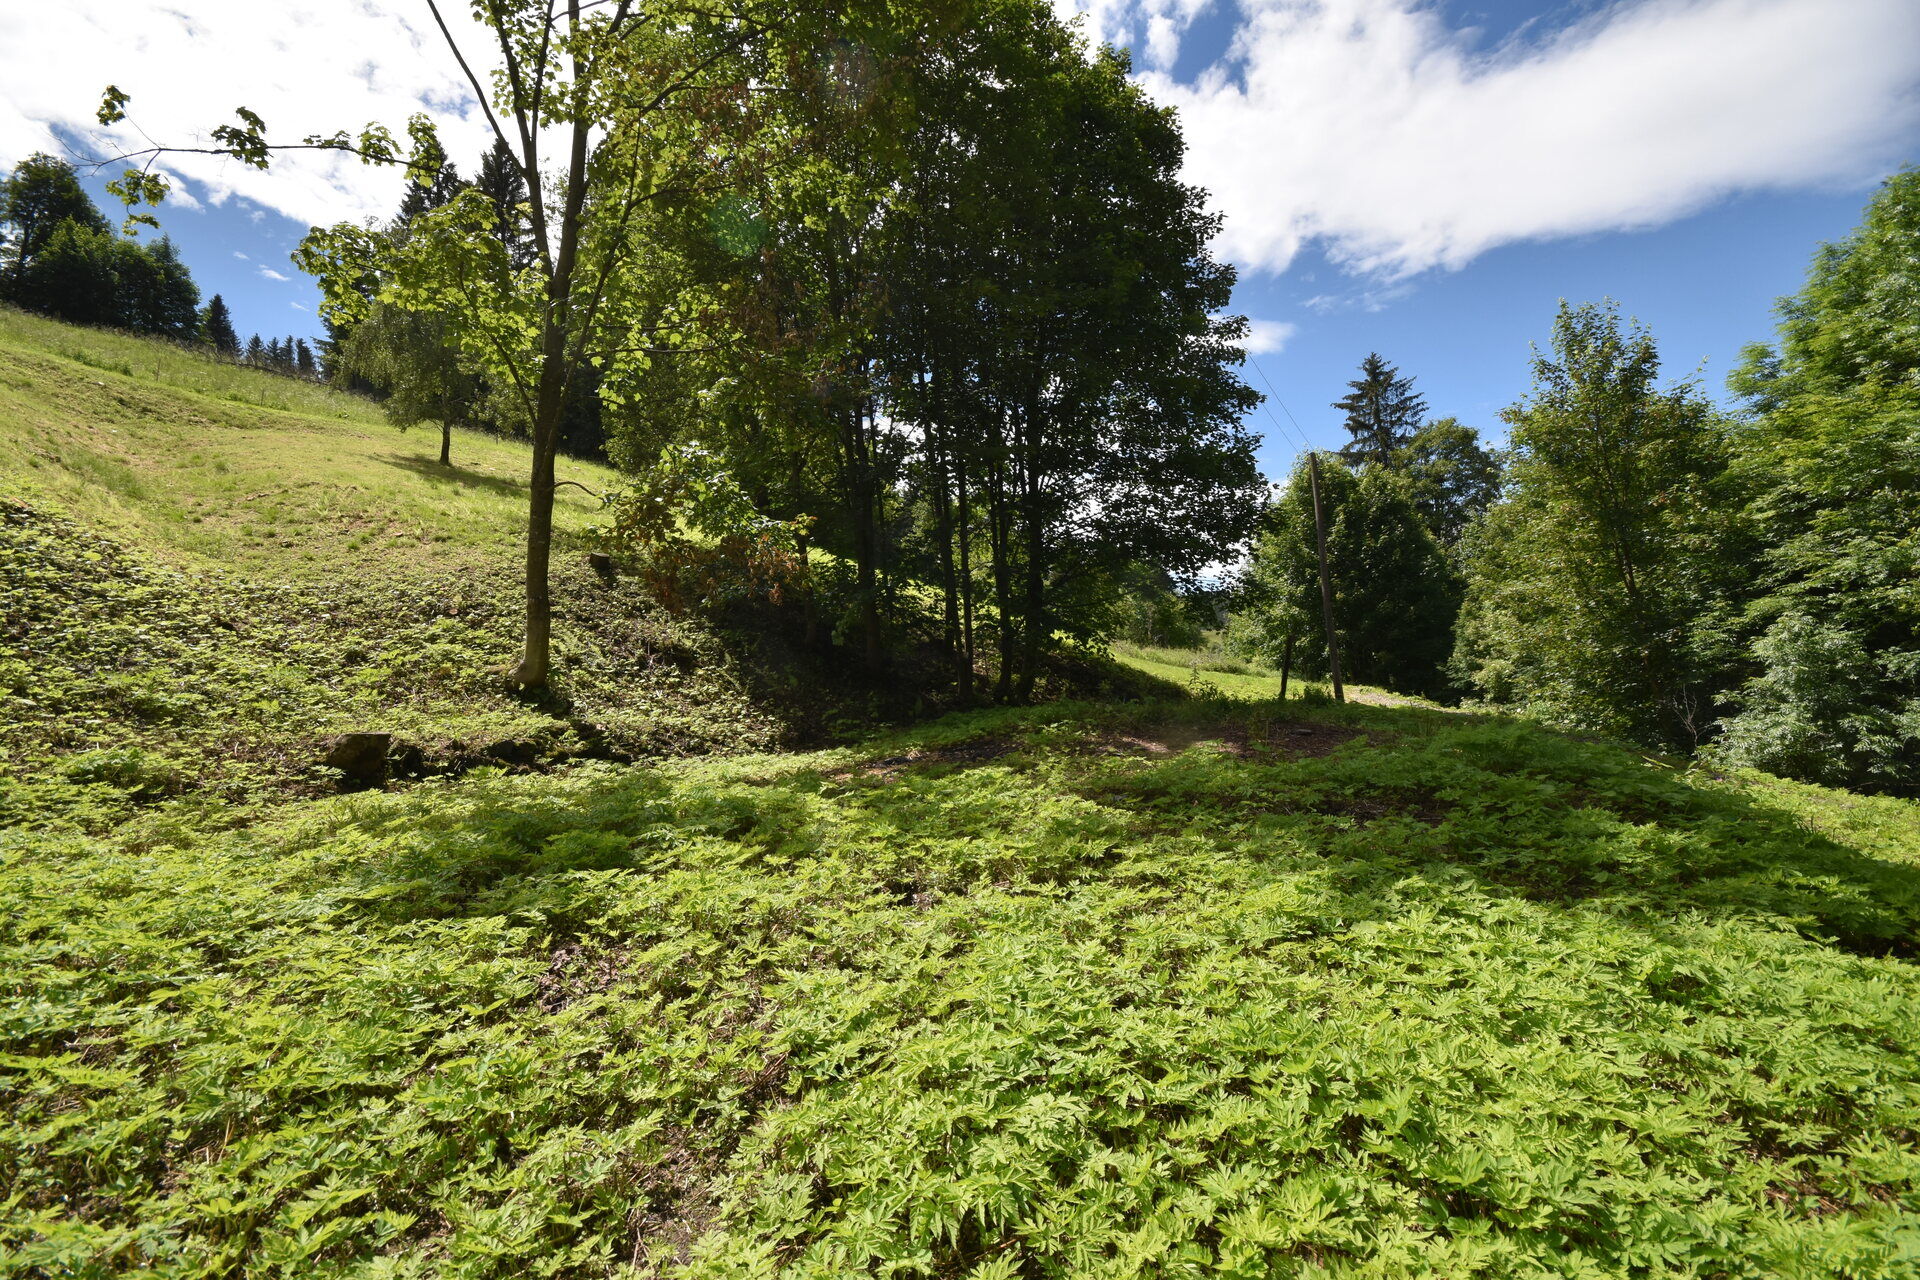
<point x="210" y="464"/>
<point x="1213" y="672"/>
<point x="1210" y="986"/>
<point x="208" y="573"/>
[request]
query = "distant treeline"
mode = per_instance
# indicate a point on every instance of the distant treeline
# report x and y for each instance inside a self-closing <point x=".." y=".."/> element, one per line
<point x="60" y="257"/>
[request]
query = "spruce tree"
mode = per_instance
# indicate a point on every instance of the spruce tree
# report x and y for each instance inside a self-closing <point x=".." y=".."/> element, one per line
<point x="256" y="351"/>
<point x="216" y="327"/>
<point x="1383" y="412"/>
<point x="500" y="181"/>
<point x="422" y="196"/>
<point x="303" y="360"/>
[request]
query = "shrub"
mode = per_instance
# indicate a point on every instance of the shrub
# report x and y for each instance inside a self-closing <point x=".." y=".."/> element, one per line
<point x="1818" y="711"/>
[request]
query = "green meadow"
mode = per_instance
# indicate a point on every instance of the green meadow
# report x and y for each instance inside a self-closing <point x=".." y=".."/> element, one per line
<point x="1195" y="984"/>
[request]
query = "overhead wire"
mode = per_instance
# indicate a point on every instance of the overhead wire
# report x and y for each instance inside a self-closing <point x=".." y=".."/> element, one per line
<point x="1297" y="435"/>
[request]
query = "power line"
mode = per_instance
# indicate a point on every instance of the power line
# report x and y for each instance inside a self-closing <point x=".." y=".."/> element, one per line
<point x="1298" y="436"/>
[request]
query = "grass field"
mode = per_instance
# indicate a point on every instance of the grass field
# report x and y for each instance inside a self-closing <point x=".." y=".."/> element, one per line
<point x="217" y="465"/>
<point x="1209" y="986"/>
<point x="1212" y="673"/>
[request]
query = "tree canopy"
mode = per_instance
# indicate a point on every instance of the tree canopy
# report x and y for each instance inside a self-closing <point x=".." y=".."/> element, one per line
<point x="1832" y="459"/>
<point x="1603" y="590"/>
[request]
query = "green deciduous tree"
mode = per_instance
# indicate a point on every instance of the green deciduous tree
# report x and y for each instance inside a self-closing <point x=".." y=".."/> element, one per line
<point x="74" y="274"/>
<point x="411" y="358"/>
<point x="1856" y="321"/>
<point x="1075" y="397"/>
<point x="41" y="194"/>
<point x="1603" y="591"/>
<point x="639" y="99"/>
<point x="1452" y="477"/>
<point x="983" y="357"/>
<point x="1833" y="457"/>
<point x="1394" y="594"/>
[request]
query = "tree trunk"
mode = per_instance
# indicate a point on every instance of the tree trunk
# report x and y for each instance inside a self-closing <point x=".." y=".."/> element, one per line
<point x="965" y="534"/>
<point x="1286" y="666"/>
<point x="446" y="443"/>
<point x="536" y="659"/>
<point x="1000" y="539"/>
<point x="866" y="545"/>
<point x="1034" y="632"/>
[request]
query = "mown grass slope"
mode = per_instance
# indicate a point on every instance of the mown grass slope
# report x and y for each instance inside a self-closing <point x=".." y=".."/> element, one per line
<point x="208" y="572"/>
<point x="214" y="465"/>
<point x="1171" y="990"/>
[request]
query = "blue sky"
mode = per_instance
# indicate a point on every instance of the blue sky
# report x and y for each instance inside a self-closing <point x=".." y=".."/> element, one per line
<point x="1705" y="285"/>
<point x="230" y="250"/>
<point x="1424" y="178"/>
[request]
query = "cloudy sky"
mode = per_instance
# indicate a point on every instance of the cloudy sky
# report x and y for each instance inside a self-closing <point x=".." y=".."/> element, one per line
<point x="1421" y="177"/>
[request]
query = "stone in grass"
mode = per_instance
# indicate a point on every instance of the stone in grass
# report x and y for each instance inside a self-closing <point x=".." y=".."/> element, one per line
<point x="361" y="757"/>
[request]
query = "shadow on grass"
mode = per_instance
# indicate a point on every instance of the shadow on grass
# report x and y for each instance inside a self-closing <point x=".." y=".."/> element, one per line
<point x="1508" y="809"/>
<point x="1526" y="812"/>
<point x="463" y="477"/>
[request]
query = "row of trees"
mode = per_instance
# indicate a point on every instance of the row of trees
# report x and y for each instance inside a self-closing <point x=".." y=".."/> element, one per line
<point x="59" y="257"/>
<point x="1654" y="567"/>
<point x="803" y="249"/>
<point x="984" y="359"/>
<point x="290" y="355"/>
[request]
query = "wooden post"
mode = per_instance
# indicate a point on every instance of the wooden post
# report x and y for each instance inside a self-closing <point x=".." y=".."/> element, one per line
<point x="1286" y="666"/>
<point x="1326" y="589"/>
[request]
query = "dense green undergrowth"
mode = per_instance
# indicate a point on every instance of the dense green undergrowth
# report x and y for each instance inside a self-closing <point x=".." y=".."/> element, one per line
<point x="130" y="683"/>
<point x="1170" y="990"/>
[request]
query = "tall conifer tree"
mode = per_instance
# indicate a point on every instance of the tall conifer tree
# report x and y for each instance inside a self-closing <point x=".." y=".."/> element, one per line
<point x="216" y="326"/>
<point x="1383" y="413"/>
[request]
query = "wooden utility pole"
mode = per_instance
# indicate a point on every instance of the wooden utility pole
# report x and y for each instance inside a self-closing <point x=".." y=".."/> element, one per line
<point x="1326" y="589"/>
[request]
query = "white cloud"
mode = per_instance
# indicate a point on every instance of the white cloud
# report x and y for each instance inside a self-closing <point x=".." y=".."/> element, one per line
<point x="1152" y="27"/>
<point x="307" y="66"/>
<point x="1369" y="126"/>
<point x="1268" y="337"/>
<point x="297" y="306"/>
<point x="243" y="257"/>
<point x="271" y="274"/>
<point x="1373" y="128"/>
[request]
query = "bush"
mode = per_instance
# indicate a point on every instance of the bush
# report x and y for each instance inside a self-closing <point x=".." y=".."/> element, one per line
<point x="1814" y="713"/>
